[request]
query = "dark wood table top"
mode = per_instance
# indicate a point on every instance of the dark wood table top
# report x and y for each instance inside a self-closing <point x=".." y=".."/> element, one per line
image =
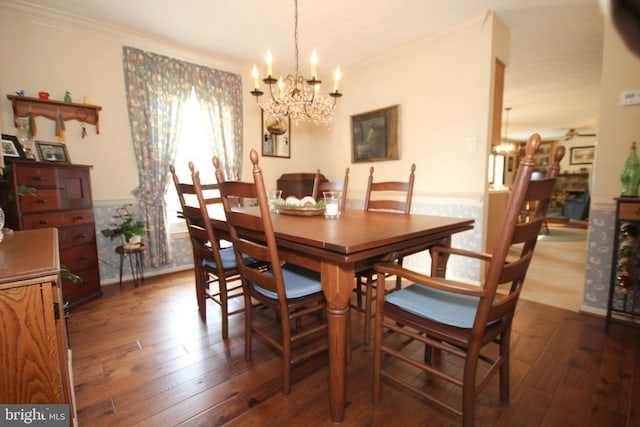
<point x="359" y="234"/>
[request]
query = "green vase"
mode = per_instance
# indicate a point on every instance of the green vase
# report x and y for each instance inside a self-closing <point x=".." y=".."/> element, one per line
<point x="631" y="174"/>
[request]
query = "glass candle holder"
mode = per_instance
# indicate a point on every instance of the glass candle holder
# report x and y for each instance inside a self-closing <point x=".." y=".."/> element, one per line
<point x="331" y="204"/>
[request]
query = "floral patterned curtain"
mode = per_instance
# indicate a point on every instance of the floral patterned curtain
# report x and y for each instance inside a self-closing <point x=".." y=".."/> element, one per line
<point x="219" y="94"/>
<point x="158" y="88"/>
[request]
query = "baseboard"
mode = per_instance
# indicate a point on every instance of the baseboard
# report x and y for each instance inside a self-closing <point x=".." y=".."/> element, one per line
<point x="598" y="312"/>
<point x="129" y="277"/>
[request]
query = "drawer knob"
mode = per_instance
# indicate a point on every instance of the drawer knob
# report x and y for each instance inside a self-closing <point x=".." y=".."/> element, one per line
<point x="84" y="257"/>
<point x="80" y="217"/>
<point x="44" y="221"/>
<point x="82" y="236"/>
<point x="42" y="201"/>
<point x="38" y="178"/>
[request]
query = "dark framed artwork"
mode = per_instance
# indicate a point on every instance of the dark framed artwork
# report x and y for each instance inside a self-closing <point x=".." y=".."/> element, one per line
<point x="374" y="135"/>
<point x="276" y="136"/>
<point x="52" y="152"/>
<point x="582" y="155"/>
<point x="11" y="147"/>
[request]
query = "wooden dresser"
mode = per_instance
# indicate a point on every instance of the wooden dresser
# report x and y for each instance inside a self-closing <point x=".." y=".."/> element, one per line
<point x="62" y="200"/>
<point x="34" y="361"/>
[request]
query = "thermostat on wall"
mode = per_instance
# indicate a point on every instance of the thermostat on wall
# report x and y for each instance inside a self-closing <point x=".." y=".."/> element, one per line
<point x="630" y="97"/>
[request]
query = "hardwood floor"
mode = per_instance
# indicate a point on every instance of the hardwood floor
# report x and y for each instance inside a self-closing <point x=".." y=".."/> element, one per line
<point x="143" y="357"/>
<point x="567" y="260"/>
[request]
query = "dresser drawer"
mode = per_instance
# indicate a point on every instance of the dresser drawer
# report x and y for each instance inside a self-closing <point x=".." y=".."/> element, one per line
<point x="87" y="289"/>
<point x="76" y="235"/>
<point x="79" y="257"/>
<point x="630" y="211"/>
<point x="35" y="176"/>
<point x="41" y="200"/>
<point x="58" y="219"/>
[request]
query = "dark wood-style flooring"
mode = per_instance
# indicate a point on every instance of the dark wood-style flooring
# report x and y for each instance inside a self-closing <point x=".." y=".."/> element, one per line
<point x="143" y="357"/>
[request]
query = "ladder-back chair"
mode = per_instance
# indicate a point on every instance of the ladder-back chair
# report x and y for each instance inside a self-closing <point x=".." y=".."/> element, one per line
<point x="462" y="321"/>
<point x="387" y="196"/>
<point x="215" y="266"/>
<point x="293" y="292"/>
<point x="321" y="186"/>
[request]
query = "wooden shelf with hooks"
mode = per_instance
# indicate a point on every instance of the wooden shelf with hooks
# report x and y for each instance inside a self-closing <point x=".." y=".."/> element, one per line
<point x="24" y="106"/>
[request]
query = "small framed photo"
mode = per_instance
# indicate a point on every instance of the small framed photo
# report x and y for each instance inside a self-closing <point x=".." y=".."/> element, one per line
<point x="11" y="147"/>
<point x="582" y="155"/>
<point x="52" y="152"/>
<point x="374" y="135"/>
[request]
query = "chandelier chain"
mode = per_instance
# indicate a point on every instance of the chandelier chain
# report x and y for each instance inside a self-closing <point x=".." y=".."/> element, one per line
<point x="295" y="35"/>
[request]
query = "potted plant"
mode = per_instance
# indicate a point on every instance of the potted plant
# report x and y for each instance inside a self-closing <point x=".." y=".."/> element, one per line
<point x="126" y="226"/>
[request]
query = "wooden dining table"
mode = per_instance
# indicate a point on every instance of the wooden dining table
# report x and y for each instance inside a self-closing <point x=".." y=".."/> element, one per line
<point x="337" y="248"/>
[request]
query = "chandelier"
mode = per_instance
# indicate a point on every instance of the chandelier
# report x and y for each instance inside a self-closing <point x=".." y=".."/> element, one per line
<point x="294" y="96"/>
<point x="506" y="147"/>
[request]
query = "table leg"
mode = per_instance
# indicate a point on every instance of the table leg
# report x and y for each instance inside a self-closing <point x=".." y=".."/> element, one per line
<point x="337" y="284"/>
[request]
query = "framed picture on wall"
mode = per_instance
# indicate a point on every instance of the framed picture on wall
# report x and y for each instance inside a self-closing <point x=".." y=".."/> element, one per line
<point x="374" y="135"/>
<point x="276" y="136"/>
<point x="582" y="155"/>
<point x="11" y="147"/>
<point x="52" y="152"/>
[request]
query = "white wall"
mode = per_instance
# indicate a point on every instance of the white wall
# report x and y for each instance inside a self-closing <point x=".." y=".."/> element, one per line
<point x="55" y="54"/>
<point x="443" y="86"/>
<point x="619" y="125"/>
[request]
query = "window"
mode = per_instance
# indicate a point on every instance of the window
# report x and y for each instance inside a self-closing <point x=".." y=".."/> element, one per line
<point x="193" y="146"/>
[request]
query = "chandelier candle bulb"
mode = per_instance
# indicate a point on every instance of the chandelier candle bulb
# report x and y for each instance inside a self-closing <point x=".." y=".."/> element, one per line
<point x="336" y="76"/>
<point x="269" y="59"/>
<point x="255" y="75"/>
<point x="314" y="65"/>
<point x="281" y="87"/>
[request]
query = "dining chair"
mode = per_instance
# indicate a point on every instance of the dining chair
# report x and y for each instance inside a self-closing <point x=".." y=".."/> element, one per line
<point x="528" y="209"/>
<point x="386" y="196"/>
<point x="466" y="325"/>
<point x="293" y="292"/>
<point x="320" y="186"/>
<point x="215" y="266"/>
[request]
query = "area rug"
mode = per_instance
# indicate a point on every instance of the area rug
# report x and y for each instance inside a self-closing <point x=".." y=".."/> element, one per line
<point x="563" y="235"/>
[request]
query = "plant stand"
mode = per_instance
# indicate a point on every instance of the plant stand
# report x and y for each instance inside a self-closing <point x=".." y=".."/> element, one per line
<point x="137" y="265"/>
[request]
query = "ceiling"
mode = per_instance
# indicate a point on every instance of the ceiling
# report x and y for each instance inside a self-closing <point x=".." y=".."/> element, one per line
<point x="552" y="79"/>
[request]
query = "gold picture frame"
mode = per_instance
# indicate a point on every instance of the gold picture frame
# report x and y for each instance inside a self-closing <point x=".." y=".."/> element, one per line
<point x="52" y="152"/>
<point x="582" y="155"/>
<point x="276" y="136"/>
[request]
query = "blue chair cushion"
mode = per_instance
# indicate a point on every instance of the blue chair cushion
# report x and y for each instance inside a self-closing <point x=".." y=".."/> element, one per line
<point x="298" y="282"/>
<point x="228" y="258"/>
<point x="437" y="305"/>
